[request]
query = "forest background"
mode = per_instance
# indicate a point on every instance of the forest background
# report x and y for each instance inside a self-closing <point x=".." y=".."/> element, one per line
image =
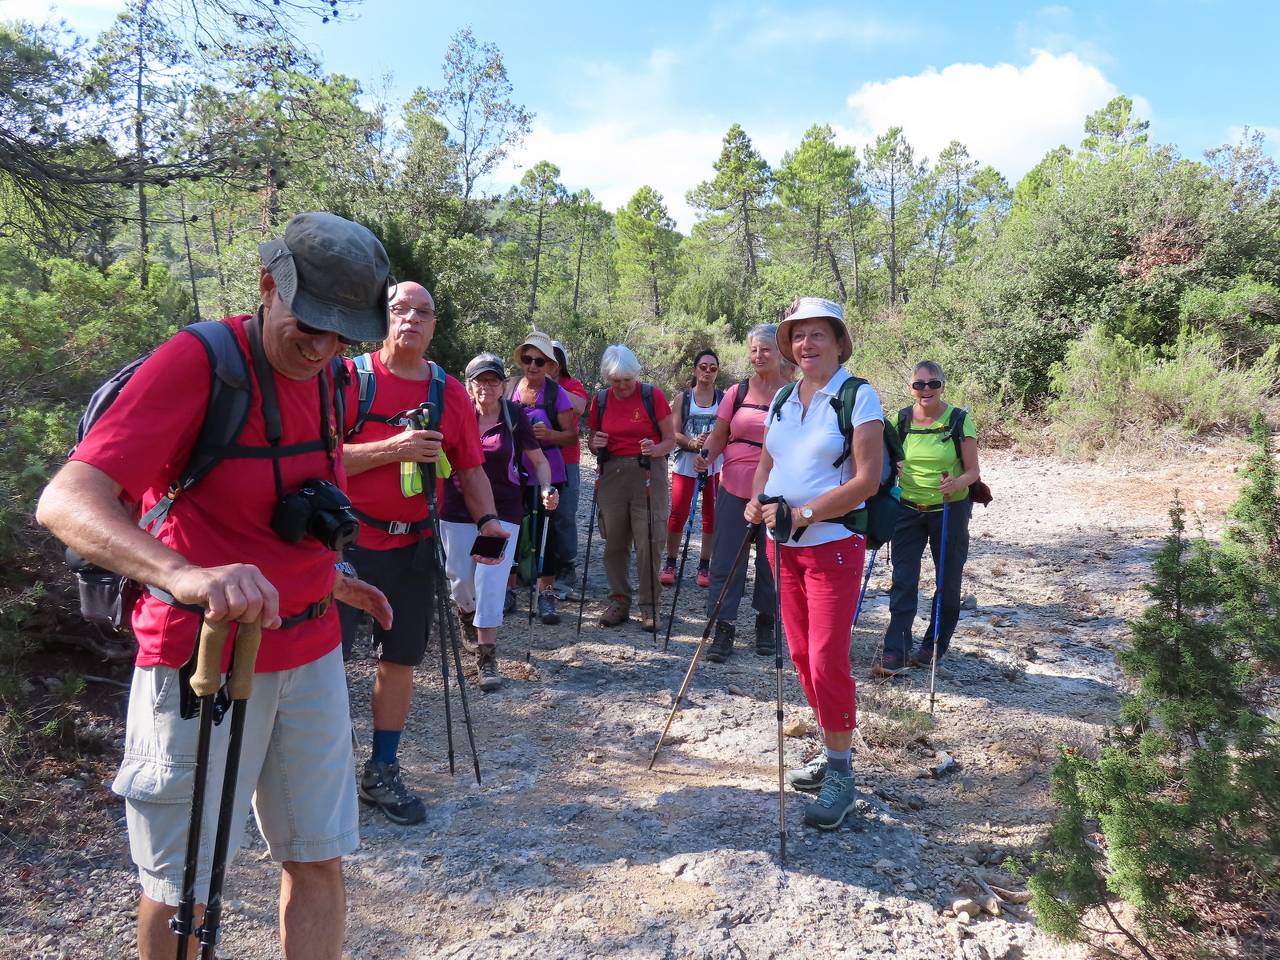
<point x="1118" y="296"/>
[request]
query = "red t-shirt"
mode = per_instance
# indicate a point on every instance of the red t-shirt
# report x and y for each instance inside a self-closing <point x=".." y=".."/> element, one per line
<point x="627" y="421"/>
<point x="143" y="443"/>
<point x="573" y="452"/>
<point x="377" y="492"/>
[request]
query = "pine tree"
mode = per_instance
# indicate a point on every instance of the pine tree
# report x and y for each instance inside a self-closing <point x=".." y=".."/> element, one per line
<point x="1184" y="799"/>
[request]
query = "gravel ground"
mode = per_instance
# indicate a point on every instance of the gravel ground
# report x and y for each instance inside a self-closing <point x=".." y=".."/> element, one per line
<point x="572" y="848"/>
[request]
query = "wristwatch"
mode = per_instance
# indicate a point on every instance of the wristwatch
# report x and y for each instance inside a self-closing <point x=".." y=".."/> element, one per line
<point x="485" y="519"/>
<point x="347" y="569"/>
<point x="806" y="514"/>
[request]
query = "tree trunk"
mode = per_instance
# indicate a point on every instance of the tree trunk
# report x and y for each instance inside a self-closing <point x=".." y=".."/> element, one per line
<point x="537" y="261"/>
<point x="140" y="144"/>
<point x="217" y="257"/>
<point x="747" y="238"/>
<point x="835" y="272"/>
<point x="893" y="239"/>
<point x="191" y="268"/>
<point x="577" y="272"/>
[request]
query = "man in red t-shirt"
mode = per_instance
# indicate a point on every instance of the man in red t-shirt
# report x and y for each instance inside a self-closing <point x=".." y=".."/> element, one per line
<point x="565" y="519"/>
<point x="215" y="554"/>
<point x="382" y="459"/>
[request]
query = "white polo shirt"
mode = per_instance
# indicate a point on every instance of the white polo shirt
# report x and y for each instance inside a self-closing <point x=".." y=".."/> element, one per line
<point x="805" y="446"/>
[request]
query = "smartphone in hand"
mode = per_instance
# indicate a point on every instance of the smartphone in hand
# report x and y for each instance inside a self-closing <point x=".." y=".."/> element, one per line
<point x="490" y="548"/>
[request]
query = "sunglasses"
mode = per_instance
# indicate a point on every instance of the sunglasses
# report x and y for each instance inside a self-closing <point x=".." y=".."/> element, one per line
<point x="531" y="361"/>
<point x="311" y="331"/>
<point x="926" y="384"/>
<point x="708" y="367"/>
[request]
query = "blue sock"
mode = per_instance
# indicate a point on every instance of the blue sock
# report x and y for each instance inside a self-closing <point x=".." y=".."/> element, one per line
<point x="386" y="743"/>
<point x="841" y="761"/>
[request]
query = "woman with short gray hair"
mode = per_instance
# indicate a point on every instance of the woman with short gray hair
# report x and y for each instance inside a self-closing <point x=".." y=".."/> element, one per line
<point x="739" y="435"/>
<point x="631" y="433"/>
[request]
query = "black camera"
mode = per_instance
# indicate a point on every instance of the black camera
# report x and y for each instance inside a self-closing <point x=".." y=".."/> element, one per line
<point x="320" y="510"/>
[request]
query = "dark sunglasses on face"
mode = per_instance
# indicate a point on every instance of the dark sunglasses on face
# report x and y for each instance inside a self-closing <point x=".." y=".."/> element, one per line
<point x="311" y="331"/>
<point x="926" y="385"/>
<point x="531" y="361"/>
<point x="708" y="367"/>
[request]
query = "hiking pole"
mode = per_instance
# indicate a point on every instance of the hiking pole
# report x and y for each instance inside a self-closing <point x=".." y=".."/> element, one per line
<point x="204" y="683"/>
<point x="533" y="569"/>
<point x="706" y="633"/>
<point x="865" y="581"/>
<point x="539" y="559"/>
<point x="244" y="657"/>
<point x="937" y="600"/>
<point x="647" y="466"/>
<point x="684" y="551"/>
<point x="601" y="457"/>
<point x="781" y="530"/>
<point x="447" y="627"/>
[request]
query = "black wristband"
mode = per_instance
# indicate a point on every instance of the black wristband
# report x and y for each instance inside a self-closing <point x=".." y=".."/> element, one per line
<point x="485" y="519"/>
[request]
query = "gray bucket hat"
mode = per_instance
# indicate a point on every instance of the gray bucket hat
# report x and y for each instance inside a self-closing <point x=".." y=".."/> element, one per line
<point x="331" y="274"/>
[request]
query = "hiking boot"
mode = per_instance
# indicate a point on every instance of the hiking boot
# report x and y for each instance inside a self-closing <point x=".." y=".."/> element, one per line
<point x="809" y="778"/>
<point x="466" y="620"/>
<point x="547" y="608"/>
<point x="567" y="588"/>
<point x="889" y="665"/>
<point x="668" y="575"/>
<point x="835" y="799"/>
<point x="647" y="622"/>
<point x="381" y="786"/>
<point x="509" y="601"/>
<point x="704" y="573"/>
<point x="487" y="675"/>
<point x="764" y="635"/>
<point x="722" y="642"/>
<point x="617" y="613"/>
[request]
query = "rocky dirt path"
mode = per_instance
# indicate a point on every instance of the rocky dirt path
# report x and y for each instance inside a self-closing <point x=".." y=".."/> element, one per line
<point x="573" y="849"/>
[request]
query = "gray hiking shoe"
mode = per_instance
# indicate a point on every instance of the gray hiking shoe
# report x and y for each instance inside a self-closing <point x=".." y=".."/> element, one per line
<point x="381" y="786"/>
<point x="834" y="801"/>
<point x="466" y="620"/>
<point x="487" y="675"/>
<point x="809" y="778"/>
<point x="547" y="608"/>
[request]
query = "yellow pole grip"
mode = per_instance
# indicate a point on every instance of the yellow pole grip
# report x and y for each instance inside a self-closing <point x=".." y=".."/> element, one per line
<point x="240" y="683"/>
<point x="207" y="676"/>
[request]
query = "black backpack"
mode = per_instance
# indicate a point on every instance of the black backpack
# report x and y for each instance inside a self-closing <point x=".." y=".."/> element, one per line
<point x="740" y="401"/>
<point x="878" y="517"/>
<point x="646" y="398"/>
<point x="107" y="598"/>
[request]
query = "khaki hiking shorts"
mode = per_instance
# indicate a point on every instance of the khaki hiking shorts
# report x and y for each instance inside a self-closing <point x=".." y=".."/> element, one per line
<point x="296" y="765"/>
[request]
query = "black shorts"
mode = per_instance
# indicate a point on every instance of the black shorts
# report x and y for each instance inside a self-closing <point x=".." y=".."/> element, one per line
<point x="407" y="575"/>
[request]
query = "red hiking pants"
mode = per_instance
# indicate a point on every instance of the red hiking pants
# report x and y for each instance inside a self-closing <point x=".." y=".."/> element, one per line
<point x="819" y="589"/>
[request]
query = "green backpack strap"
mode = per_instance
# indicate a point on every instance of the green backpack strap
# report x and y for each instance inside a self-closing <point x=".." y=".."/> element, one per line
<point x="779" y="398"/>
<point x="844" y="402"/>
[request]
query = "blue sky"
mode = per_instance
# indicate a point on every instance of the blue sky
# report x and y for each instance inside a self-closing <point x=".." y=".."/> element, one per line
<point x="632" y="94"/>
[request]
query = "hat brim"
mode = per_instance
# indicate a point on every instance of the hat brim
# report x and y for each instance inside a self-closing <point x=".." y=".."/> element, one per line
<point x="352" y="324"/>
<point x="784" y="335"/>
<point x="542" y="345"/>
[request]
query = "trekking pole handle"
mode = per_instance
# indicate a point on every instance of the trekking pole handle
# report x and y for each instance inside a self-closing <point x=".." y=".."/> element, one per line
<point x="207" y="676"/>
<point x="704" y="453"/>
<point x="248" y="639"/>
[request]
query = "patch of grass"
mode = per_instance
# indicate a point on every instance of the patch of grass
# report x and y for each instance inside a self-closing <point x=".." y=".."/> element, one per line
<point x="890" y="717"/>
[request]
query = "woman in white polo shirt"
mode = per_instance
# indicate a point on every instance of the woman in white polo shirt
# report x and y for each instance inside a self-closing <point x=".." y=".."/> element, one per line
<point x="804" y="468"/>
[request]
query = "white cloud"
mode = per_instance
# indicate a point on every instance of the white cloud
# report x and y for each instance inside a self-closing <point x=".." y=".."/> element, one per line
<point x="83" y="15"/>
<point x="1007" y="115"/>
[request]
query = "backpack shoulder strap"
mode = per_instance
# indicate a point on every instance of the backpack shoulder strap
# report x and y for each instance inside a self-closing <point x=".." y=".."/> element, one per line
<point x="740" y="395"/>
<point x="719" y="396"/>
<point x="602" y="397"/>
<point x="230" y="396"/>
<point x="686" y="405"/>
<point x="646" y="397"/>
<point x="368" y="387"/>
<point x="904" y="423"/>
<point x="781" y="397"/>
<point x="844" y="402"/>
<point x="550" y="394"/>
<point x="435" y="391"/>
<point x="955" y="427"/>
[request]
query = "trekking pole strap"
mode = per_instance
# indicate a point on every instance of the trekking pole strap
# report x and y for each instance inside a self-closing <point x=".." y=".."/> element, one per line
<point x="207" y="676"/>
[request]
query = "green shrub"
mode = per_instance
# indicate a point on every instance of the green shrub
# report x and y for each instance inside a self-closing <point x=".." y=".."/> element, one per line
<point x="1107" y="391"/>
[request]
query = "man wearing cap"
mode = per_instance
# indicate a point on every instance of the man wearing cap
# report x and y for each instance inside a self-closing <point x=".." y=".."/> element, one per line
<point x="382" y="457"/>
<point x="815" y="478"/>
<point x="216" y="552"/>
<point x="565" y="519"/>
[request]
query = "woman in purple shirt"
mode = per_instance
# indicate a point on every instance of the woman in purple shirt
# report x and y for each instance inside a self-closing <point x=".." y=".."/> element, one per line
<point x="550" y="411"/>
<point x="480" y="589"/>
